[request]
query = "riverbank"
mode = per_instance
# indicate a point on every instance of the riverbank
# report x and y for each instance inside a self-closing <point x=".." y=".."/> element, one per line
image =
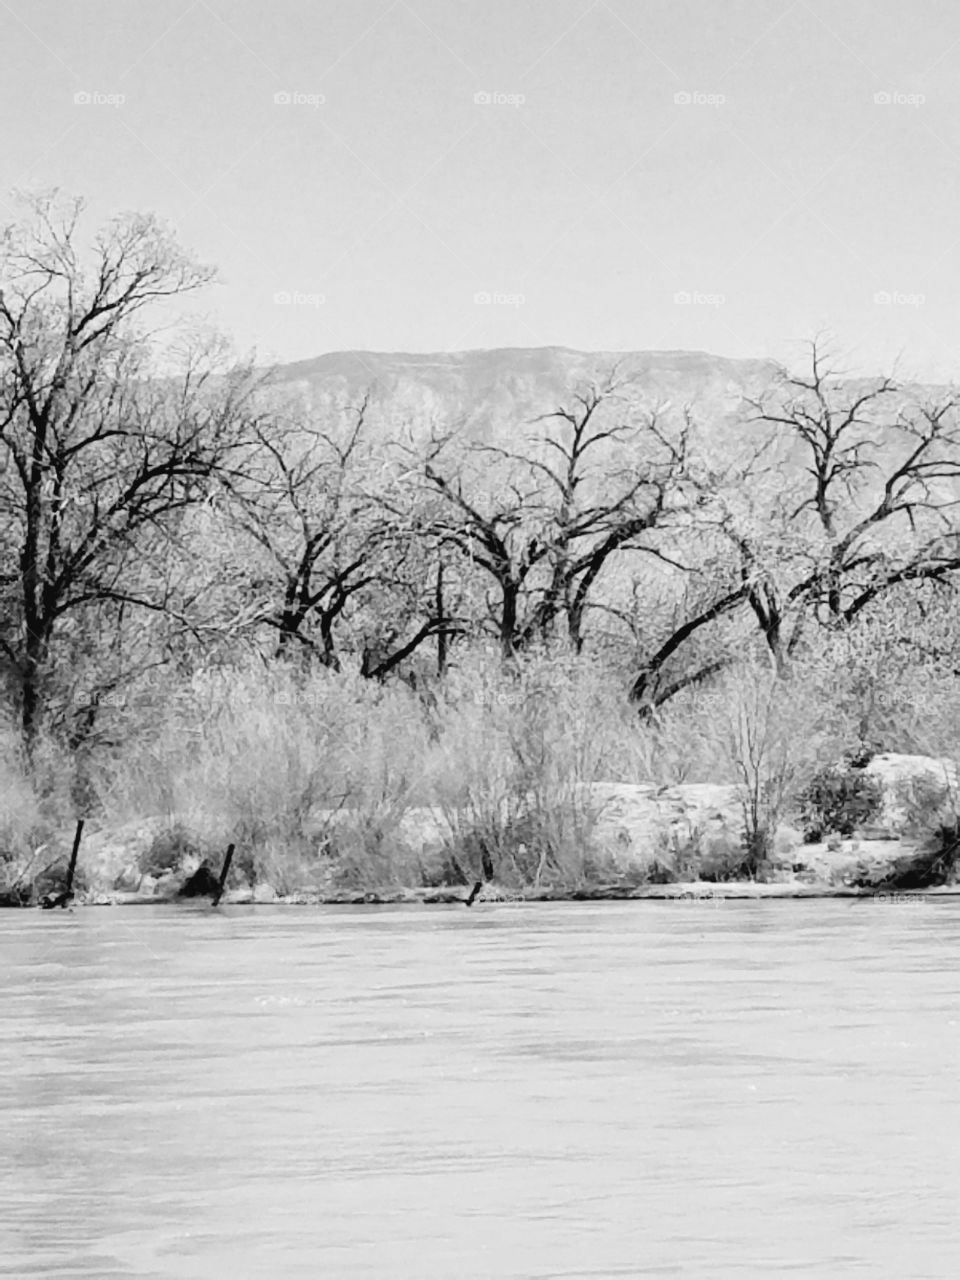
<point x="702" y="892"/>
<point x="621" y="841"/>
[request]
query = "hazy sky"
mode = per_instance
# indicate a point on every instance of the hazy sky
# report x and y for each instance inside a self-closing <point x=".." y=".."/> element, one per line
<point x="776" y="194"/>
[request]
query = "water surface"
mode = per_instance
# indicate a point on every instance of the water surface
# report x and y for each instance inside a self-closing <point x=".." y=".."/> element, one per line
<point x="736" y="1089"/>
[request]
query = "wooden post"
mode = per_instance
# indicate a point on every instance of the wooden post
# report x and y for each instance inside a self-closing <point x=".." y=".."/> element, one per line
<point x="74" y="853"/>
<point x="51" y="901"/>
<point x="224" y="872"/>
<point x="473" y="893"/>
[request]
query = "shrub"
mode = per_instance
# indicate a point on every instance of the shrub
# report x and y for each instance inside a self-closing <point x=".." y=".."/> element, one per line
<point x="837" y="800"/>
<point x="931" y="809"/>
<point x="517" y="749"/>
<point x="772" y="733"/>
<point x="52" y="878"/>
<point x="929" y="805"/>
<point x="169" y="849"/>
<point x="260" y="756"/>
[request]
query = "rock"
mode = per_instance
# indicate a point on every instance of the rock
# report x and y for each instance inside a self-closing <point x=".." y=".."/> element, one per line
<point x="786" y="841"/>
<point x="112" y="854"/>
<point x="113" y="858"/>
<point x="874" y="833"/>
<point x="128" y="881"/>
<point x="167" y="886"/>
<point x="899" y="773"/>
<point x="681" y="828"/>
<point x="915" y="866"/>
<point x="844" y="863"/>
<point x="264" y="893"/>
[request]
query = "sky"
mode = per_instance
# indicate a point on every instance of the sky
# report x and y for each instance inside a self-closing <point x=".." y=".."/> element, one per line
<point x="732" y="176"/>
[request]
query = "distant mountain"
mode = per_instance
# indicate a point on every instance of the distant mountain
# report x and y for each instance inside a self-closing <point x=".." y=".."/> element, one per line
<point x="496" y="395"/>
<point x="493" y="393"/>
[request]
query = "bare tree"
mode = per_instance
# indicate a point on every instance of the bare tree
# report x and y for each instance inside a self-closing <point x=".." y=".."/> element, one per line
<point x="98" y="457"/>
<point x="545" y="522"/>
<point x="878" y="505"/>
<point x="850" y="492"/>
<point x="488" y="530"/>
<point x="339" y="564"/>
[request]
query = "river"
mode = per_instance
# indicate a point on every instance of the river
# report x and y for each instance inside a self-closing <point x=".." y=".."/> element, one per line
<point x="702" y="1089"/>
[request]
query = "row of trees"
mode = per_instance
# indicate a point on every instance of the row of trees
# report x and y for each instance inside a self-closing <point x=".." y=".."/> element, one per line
<point x="165" y="515"/>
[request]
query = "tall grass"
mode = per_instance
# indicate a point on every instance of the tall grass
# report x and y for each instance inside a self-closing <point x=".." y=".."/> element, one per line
<point x="36" y="803"/>
<point x="516" y="748"/>
<point x="773" y="736"/>
<point x="268" y="758"/>
<point x="324" y="778"/>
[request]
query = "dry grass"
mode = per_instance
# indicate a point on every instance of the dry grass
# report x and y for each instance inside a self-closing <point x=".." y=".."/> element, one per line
<point x="508" y="770"/>
<point x="258" y="757"/>
<point x="331" y="779"/>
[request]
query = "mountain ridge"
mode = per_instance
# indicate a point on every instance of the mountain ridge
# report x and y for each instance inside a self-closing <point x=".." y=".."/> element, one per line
<point x="487" y="392"/>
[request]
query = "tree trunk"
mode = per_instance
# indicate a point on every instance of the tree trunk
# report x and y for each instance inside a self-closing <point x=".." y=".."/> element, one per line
<point x="442" y="638"/>
<point x="508" y="620"/>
